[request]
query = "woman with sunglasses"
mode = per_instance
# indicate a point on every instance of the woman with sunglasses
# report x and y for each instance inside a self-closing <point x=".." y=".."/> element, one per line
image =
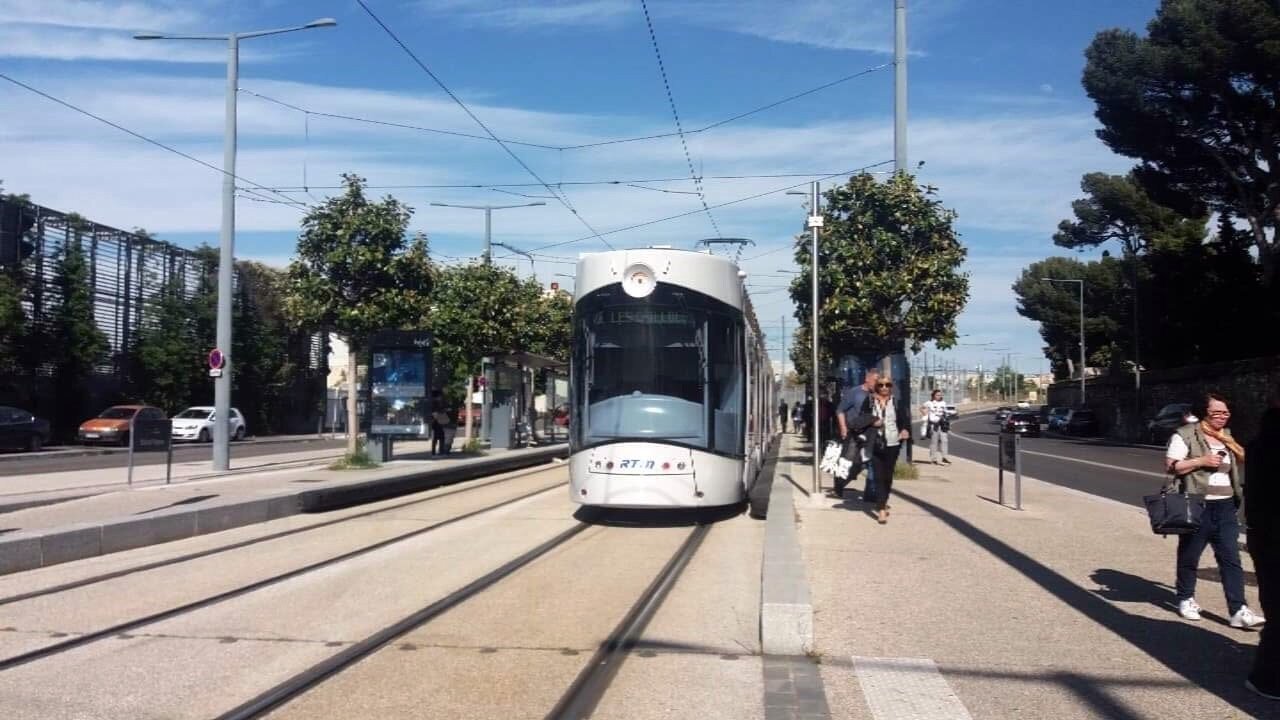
<point x="893" y="425"/>
<point x="1203" y="459"/>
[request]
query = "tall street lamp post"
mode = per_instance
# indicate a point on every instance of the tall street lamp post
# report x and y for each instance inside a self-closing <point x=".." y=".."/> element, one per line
<point x="227" y="235"/>
<point x="814" y="223"/>
<point x="1082" y="355"/>
<point x="488" y="219"/>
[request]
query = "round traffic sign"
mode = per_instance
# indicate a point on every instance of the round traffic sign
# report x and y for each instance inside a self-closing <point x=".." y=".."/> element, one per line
<point x="216" y="359"/>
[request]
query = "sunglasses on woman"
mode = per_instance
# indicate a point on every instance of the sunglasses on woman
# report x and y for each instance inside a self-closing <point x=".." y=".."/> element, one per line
<point x="884" y="384"/>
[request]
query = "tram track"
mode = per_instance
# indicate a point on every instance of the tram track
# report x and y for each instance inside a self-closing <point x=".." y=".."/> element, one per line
<point x="582" y="694"/>
<point x="209" y="552"/>
<point x="212" y="600"/>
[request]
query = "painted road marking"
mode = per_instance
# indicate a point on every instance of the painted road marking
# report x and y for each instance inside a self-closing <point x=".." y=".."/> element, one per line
<point x="1148" y="473"/>
<point x="907" y="689"/>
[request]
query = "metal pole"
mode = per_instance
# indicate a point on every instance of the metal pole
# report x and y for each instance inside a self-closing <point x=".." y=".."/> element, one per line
<point x="816" y="212"/>
<point x="1082" y="365"/>
<point x="900" y="85"/>
<point x="226" y="263"/>
<point x="488" y="233"/>
<point x="783" y="364"/>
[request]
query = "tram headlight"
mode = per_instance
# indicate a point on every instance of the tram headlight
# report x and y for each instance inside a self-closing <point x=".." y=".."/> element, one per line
<point x="639" y="281"/>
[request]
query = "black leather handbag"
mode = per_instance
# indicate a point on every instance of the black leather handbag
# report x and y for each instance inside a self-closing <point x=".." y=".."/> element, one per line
<point x="1174" y="513"/>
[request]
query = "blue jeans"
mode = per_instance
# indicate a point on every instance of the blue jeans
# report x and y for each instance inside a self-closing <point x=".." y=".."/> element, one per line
<point x="1219" y="527"/>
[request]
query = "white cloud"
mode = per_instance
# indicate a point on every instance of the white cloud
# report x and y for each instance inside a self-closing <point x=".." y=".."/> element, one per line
<point x="62" y="43"/>
<point x="833" y="24"/>
<point x="525" y="14"/>
<point x="100" y="14"/>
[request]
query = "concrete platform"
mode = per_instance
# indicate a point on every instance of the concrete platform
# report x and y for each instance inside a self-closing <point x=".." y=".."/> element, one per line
<point x="960" y="607"/>
<point x="121" y="520"/>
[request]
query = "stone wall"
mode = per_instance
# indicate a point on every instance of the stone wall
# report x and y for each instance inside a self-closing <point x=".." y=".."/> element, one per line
<point x="1123" y="412"/>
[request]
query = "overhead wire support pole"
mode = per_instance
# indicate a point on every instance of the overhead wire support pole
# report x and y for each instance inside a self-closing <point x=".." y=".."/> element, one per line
<point x="815" y="222"/>
<point x="900" y="116"/>
<point x="226" y="235"/>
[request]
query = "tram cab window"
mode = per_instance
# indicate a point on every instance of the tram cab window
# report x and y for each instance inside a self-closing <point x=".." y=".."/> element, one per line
<point x="666" y="367"/>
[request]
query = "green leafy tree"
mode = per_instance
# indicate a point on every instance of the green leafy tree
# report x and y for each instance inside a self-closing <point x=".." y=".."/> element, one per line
<point x="1009" y="384"/>
<point x="1056" y="306"/>
<point x="1118" y="209"/>
<point x="13" y="325"/>
<point x="551" y="328"/>
<point x="889" y="270"/>
<point x="356" y="272"/>
<point x="76" y="343"/>
<point x="1196" y="102"/>
<point x="168" y="357"/>
<point x="478" y="310"/>
<point x="260" y="343"/>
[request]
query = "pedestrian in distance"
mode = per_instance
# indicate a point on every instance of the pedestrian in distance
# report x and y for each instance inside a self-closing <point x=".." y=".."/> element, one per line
<point x="1262" y="522"/>
<point x="937" y="427"/>
<point x="1204" y="459"/>
<point x="439" y="420"/>
<point x="783" y="414"/>
<point x="854" y="438"/>
<point x="893" y="426"/>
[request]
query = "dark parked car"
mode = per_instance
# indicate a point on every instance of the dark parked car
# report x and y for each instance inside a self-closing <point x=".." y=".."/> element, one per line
<point x="1023" y="423"/>
<point x="1057" y="417"/>
<point x="20" y="430"/>
<point x="1081" y="422"/>
<point x="1002" y="414"/>
<point x="1170" y="418"/>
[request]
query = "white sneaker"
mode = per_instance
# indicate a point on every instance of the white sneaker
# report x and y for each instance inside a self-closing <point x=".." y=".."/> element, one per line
<point x="1246" y="618"/>
<point x="1190" y="609"/>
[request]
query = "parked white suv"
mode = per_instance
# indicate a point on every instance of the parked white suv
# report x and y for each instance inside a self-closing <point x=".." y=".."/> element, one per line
<point x="196" y="424"/>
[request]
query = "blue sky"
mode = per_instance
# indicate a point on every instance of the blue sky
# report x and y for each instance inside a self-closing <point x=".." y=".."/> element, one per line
<point x="996" y="114"/>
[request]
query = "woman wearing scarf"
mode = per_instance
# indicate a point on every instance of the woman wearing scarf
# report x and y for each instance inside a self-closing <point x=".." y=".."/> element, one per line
<point x="1205" y="460"/>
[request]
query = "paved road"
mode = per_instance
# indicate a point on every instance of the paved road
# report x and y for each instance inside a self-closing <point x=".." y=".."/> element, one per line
<point x="1119" y="472"/>
<point x="59" y="462"/>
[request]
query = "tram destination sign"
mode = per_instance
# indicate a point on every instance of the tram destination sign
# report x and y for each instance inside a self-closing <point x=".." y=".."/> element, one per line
<point x="643" y="317"/>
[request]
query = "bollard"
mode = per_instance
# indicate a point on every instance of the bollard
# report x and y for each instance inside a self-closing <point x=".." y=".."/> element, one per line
<point x="1009" y="450"/>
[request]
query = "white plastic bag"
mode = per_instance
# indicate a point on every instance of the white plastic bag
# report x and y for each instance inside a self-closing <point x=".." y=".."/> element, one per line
<point x="830" y="457"/>
<point x="924" y="429"/>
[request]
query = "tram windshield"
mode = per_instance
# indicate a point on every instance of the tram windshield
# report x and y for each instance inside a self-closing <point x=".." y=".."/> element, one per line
<point x="667" y="367"/>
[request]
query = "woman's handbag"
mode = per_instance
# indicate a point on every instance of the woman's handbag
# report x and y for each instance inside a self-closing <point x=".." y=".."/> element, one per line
<point x="1174" y="513"/>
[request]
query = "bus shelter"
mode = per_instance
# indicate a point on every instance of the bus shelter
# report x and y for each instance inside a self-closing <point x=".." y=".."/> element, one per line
<point x="526" y="400"/>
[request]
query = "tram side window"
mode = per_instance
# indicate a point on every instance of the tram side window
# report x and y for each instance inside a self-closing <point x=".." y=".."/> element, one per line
<point x="728" y="378"/>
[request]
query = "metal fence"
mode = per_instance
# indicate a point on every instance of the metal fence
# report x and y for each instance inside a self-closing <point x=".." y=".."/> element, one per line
<point x="127" y="273"/>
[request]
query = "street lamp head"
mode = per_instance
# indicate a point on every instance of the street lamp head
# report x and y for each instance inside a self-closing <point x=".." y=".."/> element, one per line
<point x="148" y="35"/>
<point x="321" y="22"/>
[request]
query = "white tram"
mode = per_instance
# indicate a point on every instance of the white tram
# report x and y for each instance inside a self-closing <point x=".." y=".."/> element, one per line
<point x="672" y="394"/>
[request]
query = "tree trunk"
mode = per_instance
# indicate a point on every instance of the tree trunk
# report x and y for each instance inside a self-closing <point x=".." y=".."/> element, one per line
<point x="353" y="418"/>
<point x="1266" y="250"/>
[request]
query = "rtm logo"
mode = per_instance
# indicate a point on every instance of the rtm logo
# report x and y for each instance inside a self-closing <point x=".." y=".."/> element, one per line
<point x="635" y="464"/>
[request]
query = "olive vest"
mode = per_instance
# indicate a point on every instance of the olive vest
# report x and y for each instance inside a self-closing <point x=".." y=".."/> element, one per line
<point x="1196" y="482"/>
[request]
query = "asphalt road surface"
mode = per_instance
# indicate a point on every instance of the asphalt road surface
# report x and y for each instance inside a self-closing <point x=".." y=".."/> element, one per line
<point x="1112" y="470"/>
<point x="54" y="461"/>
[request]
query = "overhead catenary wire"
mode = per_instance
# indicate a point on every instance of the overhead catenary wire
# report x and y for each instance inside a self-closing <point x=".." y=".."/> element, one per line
<point x="152" y="141"/>
<point x="718" y="205"/>
<point x="580" y="146"/>
<point x="389" y="123"/>
<point x="423" y="66"/>
<point x="486" y="186"/>
<point x="675" y="114"/>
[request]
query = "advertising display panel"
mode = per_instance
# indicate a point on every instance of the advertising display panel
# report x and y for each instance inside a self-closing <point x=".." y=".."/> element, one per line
<point x="399" y="371"/>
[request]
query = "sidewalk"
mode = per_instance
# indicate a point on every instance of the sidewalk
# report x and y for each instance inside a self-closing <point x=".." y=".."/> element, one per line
<point x="126" y="518"/>
<point x="961" y="608"/>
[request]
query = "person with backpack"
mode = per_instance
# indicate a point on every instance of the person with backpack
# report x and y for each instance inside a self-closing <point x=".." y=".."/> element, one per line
<point x="850" y="430"/>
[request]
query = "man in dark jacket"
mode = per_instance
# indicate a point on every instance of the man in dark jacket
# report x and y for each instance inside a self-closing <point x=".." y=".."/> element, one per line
<point x="850" y="407"/>
<point x="1262" y="520"/>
